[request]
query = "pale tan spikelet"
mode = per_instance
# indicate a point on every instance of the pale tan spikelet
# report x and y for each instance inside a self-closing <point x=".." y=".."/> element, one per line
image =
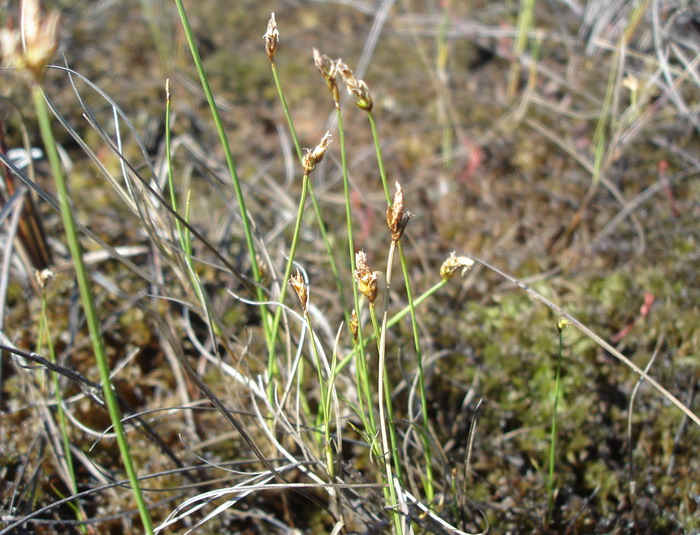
<point x="354" y="324"/>
<point x="396" y="216"/>
<point x="329" y="70"/>
<point x="301" y="289"/>
<point x="11" y="48"/>
<point x="40" y="35"/>
<point x="356" y="87"/>
<point x="43" y="277"/>
<point x="312" y="157"/>
<point x="365" y="277"/>
<point x="272" y="37"/>
<point x="264" y="269"/>
<point x="454" y="263"/>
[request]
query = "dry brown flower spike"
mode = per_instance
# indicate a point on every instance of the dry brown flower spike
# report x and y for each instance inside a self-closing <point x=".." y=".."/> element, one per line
<point x="365" y="277"/>
<point x="312" y="157"/>
<point x="355" y="87"/>
<point x="272" y="37"/>
<point x="329" y="70"/>
<point x="302" y="290"/>
<point x="396" y="216"/>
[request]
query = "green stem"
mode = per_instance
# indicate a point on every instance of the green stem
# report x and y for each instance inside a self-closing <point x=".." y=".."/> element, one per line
<point x="271" y="364"/>
<point x="260" y="294"/>
<point x="60" y="413"/>
<point x="361" y="362"/>
<point x="312" y="195"/>
<point x="395" y="319"/>
<point x="88" y="302"/>
<point x="553" y="433"/>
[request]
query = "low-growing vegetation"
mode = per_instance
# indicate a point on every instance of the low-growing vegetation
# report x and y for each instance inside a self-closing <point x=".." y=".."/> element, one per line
<point x="445" y="284"/>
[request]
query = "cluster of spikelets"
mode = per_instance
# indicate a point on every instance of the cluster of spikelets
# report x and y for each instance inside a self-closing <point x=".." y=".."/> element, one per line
<point x="29" y="49"/>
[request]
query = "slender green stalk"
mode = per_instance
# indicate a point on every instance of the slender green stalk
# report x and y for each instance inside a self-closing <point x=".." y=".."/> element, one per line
<point x="184" y="235"/>
<point x="260" y="294"/>
<point x="442" y="55"/>
<point x="323" y="407"/>
<point x="288" y="269"/>
<point x="553" y="433"/>
<point x="361" y="362"/>
<point x="62" y="421"/>
<point x="171" y="181"/>
<point x="88" y="301"/>
<point x="396" y="318"/>
<point x="312" y="195"/>
<point x="428" y="482"/>
<point x="525" y="20"/>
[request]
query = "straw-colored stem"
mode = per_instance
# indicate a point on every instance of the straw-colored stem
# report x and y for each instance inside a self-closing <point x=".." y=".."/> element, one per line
<point x="429" y="489"/>
<point x="525" y="20"/>
<point x="88" y="302"/>
<point x="386" y="382"/>
<point x="388" y="453"/>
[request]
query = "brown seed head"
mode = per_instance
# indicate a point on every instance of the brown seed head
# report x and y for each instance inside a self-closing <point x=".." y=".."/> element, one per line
<point x="356" y="87"/>
<point x="300" y="287"/>
<point x="40" y="40"/>
<point x="396" y="217"/>
<point x="329" y="70"/>
<point x="365" y="277"/>
<point x="272" y="37"/>
<point x="312" y="157"/>
<point x="450" y="266"/>
<point x="354" y="324"/>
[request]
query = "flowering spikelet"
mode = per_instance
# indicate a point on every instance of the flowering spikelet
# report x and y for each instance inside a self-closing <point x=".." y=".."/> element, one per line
<point x="365" y="277"/>
<point x="329" y="70"/>
<point x="450" y="266"/>
<point x="40" y="40"/>
<point x="354" y="324"/>
<point x="312" y="157"/>
<point x="396" y="217"/>
<point x="356" y="87"/>
<point x="302" y="290"/>
<point x="272" y="37"/>
<point x="563" y="323"/>
<point x="264" y="269"/>
<point x="43" y="277"/>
